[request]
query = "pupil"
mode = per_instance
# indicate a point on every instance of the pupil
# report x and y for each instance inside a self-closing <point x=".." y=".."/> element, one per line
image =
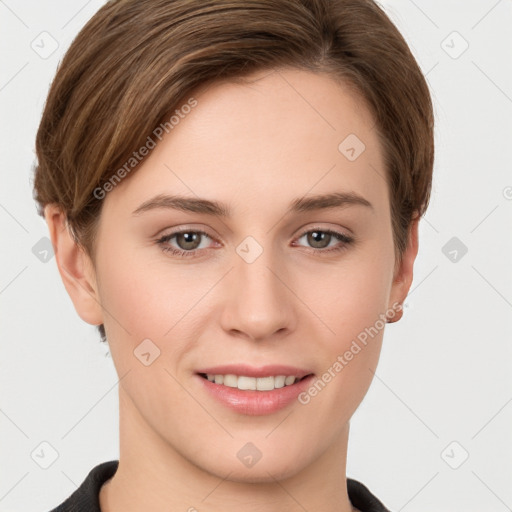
<point x="189" y="240"/>
<point x="317" y="237"/>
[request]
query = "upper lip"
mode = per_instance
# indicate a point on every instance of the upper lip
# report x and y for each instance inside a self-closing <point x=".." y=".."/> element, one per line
<point x="252" y="371"/>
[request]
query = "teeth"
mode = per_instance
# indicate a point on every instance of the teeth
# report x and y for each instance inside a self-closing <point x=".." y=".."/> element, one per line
<point x="279" y="381"/>
<point x="253" y="383"/>
<point x="264" y="383"/>
<point x="247" y="383"/>
<point x="231" y="381"/>
<point x="289" y="380"/>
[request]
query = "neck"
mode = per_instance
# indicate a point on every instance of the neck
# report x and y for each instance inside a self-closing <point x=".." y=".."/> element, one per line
<point x="153" y="476"/>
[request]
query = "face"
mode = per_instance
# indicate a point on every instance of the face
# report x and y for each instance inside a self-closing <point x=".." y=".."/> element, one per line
<point x="283" y="284"/>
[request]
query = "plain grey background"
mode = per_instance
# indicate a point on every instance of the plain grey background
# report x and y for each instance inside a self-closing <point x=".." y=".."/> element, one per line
<point x="435" y="429"/>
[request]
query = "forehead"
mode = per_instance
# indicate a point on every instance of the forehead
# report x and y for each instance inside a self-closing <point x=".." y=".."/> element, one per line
<point x="273" y="135"/>
<point x="281" y="105"/>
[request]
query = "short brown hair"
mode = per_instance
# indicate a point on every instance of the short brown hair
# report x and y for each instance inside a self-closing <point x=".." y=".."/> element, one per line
<point x="136" y="60"/>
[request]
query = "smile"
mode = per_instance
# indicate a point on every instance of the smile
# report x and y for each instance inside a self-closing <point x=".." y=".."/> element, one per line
<point x="245" y="382"/>
<point x="254" y="391"/>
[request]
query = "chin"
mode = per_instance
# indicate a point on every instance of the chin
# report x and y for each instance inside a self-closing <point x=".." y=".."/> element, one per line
<point x="278" y="466"/>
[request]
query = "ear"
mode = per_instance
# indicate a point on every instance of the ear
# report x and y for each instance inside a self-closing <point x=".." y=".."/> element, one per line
<point x="403" y="274"/>
<point x="75" y="267"/>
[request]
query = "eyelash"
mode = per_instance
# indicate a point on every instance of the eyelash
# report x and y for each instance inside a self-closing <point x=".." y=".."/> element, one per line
<point x="346" y="240"/>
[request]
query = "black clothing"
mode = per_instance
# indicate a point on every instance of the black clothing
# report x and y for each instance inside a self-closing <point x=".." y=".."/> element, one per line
<point x="86" y="497"/>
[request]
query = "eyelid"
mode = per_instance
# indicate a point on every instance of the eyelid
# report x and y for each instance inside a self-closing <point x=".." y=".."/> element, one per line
<point x="326" y="226"/>
<point x="344" y="235"/>
<point x="338" y="230"/>
<point x="185" y="228"/>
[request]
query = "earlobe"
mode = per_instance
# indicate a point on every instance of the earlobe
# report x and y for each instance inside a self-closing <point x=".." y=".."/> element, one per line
<point x="75" y="267"/>
<point x="403" y="277"/>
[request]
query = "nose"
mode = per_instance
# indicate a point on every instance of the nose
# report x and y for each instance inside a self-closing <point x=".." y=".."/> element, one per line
<point x="259" y="302"/>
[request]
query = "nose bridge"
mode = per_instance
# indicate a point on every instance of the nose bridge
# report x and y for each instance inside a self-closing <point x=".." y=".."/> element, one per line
<point x="259" y="303"/>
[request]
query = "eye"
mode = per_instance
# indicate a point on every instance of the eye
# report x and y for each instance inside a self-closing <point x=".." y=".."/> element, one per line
<point x="188" y="241"/>
<point x="319" y="239"/>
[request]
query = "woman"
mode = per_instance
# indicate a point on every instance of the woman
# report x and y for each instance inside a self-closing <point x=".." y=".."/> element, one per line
<point x="233" y="191"/>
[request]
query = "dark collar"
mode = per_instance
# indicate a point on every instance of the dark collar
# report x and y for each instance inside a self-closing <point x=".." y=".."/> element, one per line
<point x="86" y="497"/>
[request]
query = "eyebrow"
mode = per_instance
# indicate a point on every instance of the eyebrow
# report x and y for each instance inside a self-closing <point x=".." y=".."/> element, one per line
<point x="217" y="209"/>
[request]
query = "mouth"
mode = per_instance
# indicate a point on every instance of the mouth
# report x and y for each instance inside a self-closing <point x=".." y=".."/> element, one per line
<point x="248" y="383"/>
<point x="254" y="391"/>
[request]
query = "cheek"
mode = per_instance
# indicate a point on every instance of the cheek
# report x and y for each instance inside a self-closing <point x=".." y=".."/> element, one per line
<point x="350" y="296"/>
<point x="350" y="302"/>
<point x="147" y="301"/>
<point x="147" y="296"/>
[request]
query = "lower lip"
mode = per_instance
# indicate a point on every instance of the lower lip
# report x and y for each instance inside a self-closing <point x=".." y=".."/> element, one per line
<point x="256" y="403"/>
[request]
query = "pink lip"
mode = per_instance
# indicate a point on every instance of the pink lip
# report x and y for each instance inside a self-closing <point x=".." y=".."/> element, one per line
<point x="255" y="403"/>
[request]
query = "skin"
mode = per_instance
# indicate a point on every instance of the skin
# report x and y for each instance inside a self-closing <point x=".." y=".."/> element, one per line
<point x="254" y="147"/>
